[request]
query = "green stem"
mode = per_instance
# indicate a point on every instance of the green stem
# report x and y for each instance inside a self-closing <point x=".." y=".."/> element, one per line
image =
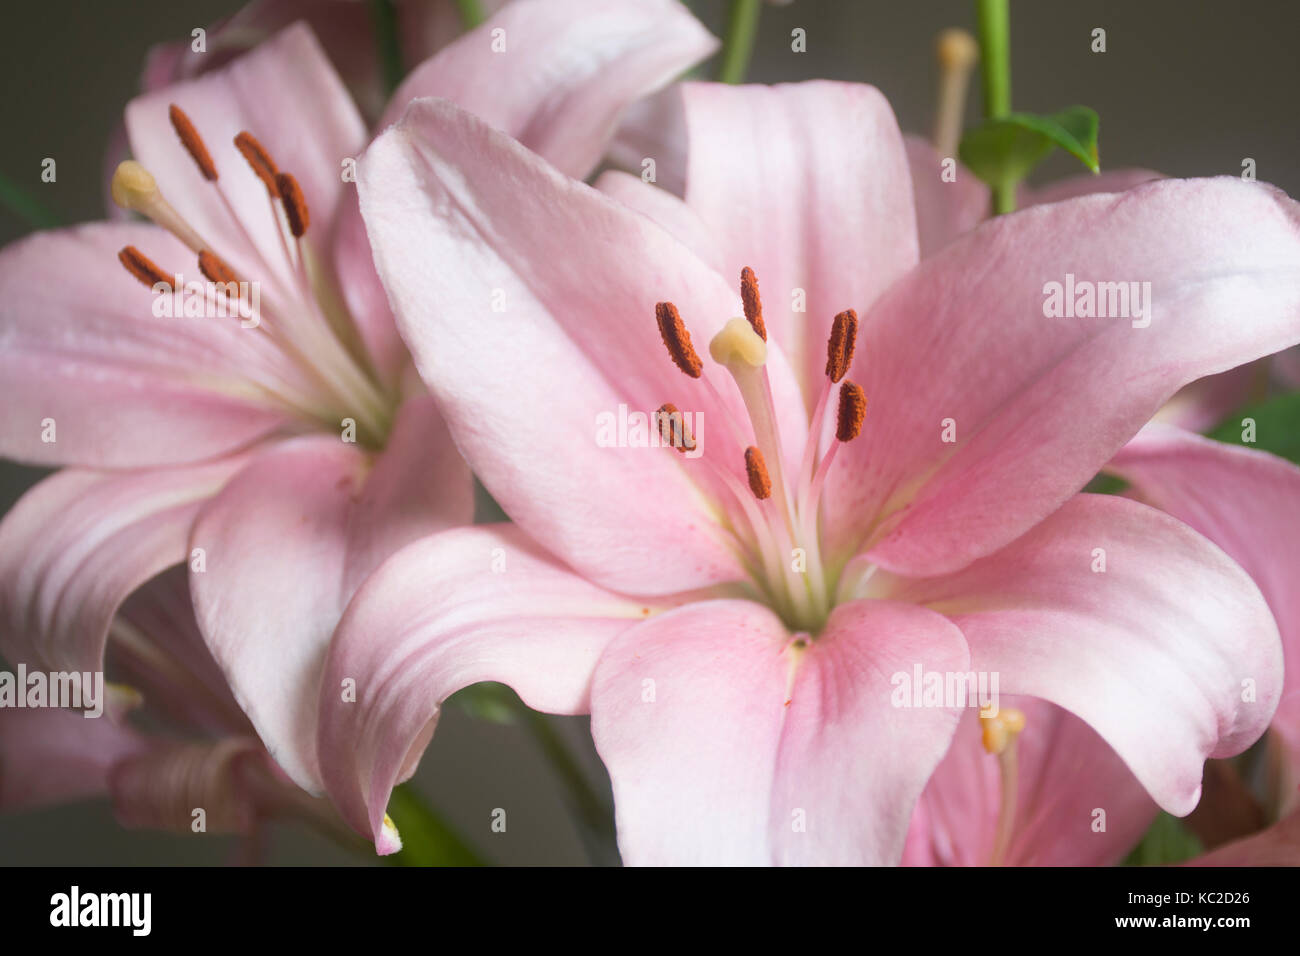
<point x="383" y="15"/>
<point x="994" y="21"/>
<point x="594" y="814"/>
<point x="738" y="45"/>
<point x="427" y="839"/>
<point x="471" y="13"/>
<point x="19" y="202"/>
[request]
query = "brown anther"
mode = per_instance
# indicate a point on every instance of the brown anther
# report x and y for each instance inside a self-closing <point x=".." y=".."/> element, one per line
<point x="672" y="428"/>
<point x="216" y="270"/>
<point x="852" y="410"/>
<point x="756" y="470"/>
<point x="839" y="348"/>
<point x="677" y="339"/>
<point x="753" y="304"/>
<point x="295" y="206"/>
<point x="259" y="159"/>
<point x="192" y="142"/>
<point x="142" y="267"/>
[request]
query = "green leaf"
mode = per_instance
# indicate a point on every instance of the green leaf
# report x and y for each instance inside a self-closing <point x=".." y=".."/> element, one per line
<point x="427" y="840"/>
<point x="1005" y="150"/>
<point x="25" y="206"/>
<point x="1276" y="426"/>
<point x="494" y="703"/>
<point x="1166" y="841"/>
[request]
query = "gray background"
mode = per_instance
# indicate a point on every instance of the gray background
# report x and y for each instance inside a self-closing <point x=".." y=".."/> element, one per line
<point x="1188" y="88"/>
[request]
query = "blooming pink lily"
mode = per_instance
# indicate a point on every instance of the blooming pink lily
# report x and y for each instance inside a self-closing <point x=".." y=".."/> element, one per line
<point x="1243" y="500"/>
<point x="733" y="620"/>
<point x="228" y="444"/>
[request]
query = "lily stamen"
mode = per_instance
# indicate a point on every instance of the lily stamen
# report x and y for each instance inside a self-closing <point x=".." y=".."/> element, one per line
<point x="672" y="428"/>
<point x="343" y="386"/>
<point x="957" y="52"/>
<point x="999" y="736"/>
<point x="142" y="267"/>
<point x="753" y="304"/>
<point x="677" y="340"/>
<point x="839" y="359"/>
<point x="756" y="470"/>
<point x="783" y="519"/>
<point x="134" y="188"/>
<point x="258" y="159"/>
<point x="193" y="142"/>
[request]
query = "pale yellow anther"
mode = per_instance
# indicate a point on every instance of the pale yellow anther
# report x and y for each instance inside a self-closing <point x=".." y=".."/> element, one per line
<point x="955" y="48"/>
<point x="1001" y="729"/>
<point x="133" y="186"/>
<point x="738" y="342"/>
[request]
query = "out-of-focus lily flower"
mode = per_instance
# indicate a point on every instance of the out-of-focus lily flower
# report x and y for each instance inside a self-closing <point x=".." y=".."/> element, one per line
<point x="1055" y="794"/>
<point x="193" y="764"/>
<point x="346" y="30"/>
<point x="284" y="451"/>
<point x="732" y="616"/>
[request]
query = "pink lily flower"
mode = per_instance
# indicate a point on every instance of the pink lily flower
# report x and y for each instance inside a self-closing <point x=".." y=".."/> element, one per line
<point x="198" y="753"/>
<point x="345" y="29"/>
<point x="740" y="689"/>
<point x="284" y="456"/>
<point x="1059" y="795"/>
<point x="1243" y="500"/>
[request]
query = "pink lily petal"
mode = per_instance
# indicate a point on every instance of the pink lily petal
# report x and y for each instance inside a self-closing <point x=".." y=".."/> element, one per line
<point x="807" y="184"/>
<point x="662" y="207"/>
<point x="1207" y="401"/>
<point x="654" y="127"/>
<point x="1248" y="503"/>
<point x="728" y="745"/>
<point x="1203" y="403"/>
<point x="567" y="71"/>
<point x="157" y="651"/>
<point x="286" y="93"/>
<point x="435" y="618"/>
<point x="1066" y="773"/>
<point x="1154" y="652"/>
<point x="82" y="348"/>
<point x="162" y="788"/>
<point x="78" y="543"/>
<point x="1279" y="845"/>
<point x="1085" y="184"/>
<point x="345" y="29"/>
<point x="363" y="294"/>
<point x="58" y="756"/>
<point x="944" y="210"/>
<point x="288" y="542"/>
<point x="1223" y="260"/>
<point x="521" y="308"/>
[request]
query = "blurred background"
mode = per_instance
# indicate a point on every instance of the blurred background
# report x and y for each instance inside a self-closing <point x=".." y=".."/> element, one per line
<point x="1188" y="89"/>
